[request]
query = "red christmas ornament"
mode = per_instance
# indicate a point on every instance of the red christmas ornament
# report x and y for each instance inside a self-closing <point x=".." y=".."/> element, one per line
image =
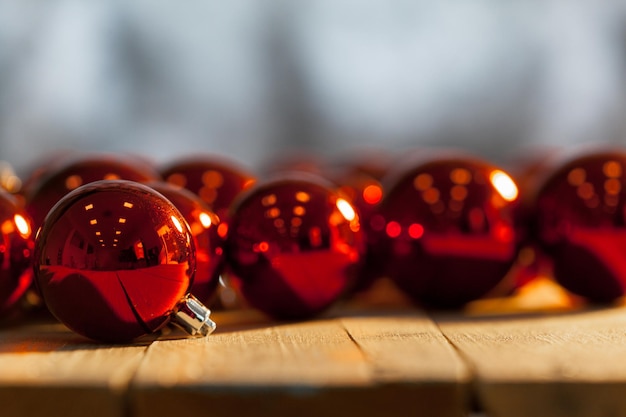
<point x="215" y="180"/>
<point x="16" y="252"/>
<point x="580" y="222"/>
<point x="294" y="246"/>
<point x="77" y="170"/>
<point x="114" y="260"/>
<point x="444" y="231"/>
<point x="204" y="226"/>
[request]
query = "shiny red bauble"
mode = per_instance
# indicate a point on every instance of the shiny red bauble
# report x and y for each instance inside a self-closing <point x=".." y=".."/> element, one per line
<point x="444" y="231"/>
<point x="113" y="259"/>
<point x="79" y="169"/>
<point x="205" y="228"/>
<point x="580" y="222"/>
<point x="16" y="252"/>
<point x="294" y="246"/>
<point x="216" y="180"/>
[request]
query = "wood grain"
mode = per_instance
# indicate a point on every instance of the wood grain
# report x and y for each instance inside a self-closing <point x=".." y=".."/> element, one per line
<point x="559" y="365"/>
<point x="45" y="370"/>
<point x="368" y="366"/>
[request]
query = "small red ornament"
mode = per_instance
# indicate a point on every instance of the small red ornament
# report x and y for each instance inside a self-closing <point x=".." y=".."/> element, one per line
<point x="114" y="260"/>
<point x="444" y="231"/>
<point x="79" y="169"/>
<point x="216" y="180"/>
<point x="294" y="246"/>
<point x="204" y="226"/>
<point x="580" y="222"/>
<point x="16" y="252"/>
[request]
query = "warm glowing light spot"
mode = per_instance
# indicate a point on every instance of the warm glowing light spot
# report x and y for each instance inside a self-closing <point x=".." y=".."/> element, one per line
<point x="372" y="194"/>
<point x="98" y="233"/>
<point x="222" y="230"/>
<point x="177" y="224"/>
<point x="315" y="236"/>
<point x="612" y="186"/>
<point x="248" y="183"/>
<point x="111" y="176"/>
<point x="73" y="181"/>
<point x="279" y="223"/>
<point x="121" y="220"/>
<point x="393" y="229"/>
<point x="416" y="230"/>
<point x="212" y="179"/>
<point x="299" y="211"/>
<point x="93" y="221"/>
<point x="272" y="213"/>
<point x="208" y="194"/>
<point x="303" y="196"/>
<point x="423" y="182"/>
<point x="431" y="196"/>
<point x="345" y="209"/>
<point x="115" y="240"/>
<point x="22" y="225"/>
<point x="458" y="192"/>
<point x="269" y="200"/>
<point x="503" y="232"/>
<point x="205" y="219"/>
<point x="576" y="176"/>
<point x="7" y="227"/>
<point x="504" y="185"/>
<point x="128" y="204"/>
<point x="585" y="190"/>
<point x="117" y="232"/>
<point x="177" y="179"/>
<point x="88" y="207"/>
<point x="612" y="169"/>
<point x="296" y="222"/>
<point x="460" y="176"/>
<point x="264" y="246"/>
<point x="100" y="240"/>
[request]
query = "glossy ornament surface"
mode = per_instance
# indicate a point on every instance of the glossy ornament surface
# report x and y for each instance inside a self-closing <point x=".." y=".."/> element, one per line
<point x="113" y="260"/>
<point x="215" y="180"/>
<point x="204" y="226"/>
<point x="79" y="169"/>
<point x="580" y="222"/>
<point x="444" y="231"/>
<point x="294" y="246"/>
<point x="16" y="252"/>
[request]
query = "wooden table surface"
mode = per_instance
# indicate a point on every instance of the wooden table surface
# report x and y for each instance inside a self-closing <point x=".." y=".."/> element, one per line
<point x="506" y="358"/>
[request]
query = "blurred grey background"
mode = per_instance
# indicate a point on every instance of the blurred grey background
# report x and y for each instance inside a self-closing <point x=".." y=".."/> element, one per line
<point x="250" y="78"/>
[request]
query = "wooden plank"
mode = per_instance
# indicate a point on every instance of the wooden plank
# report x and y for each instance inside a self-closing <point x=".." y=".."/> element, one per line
<point x="571" y="364"/>
<point x="330" y="367"/>
<point x="45" y="370"/>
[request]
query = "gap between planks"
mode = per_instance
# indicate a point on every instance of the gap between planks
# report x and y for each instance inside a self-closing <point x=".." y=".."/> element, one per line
<point x="559" y="365"/>
<point x="376" y="365"/>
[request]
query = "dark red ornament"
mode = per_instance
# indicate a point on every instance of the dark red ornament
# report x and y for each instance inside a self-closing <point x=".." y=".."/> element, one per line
<point x="16" y="252"/>
<point x="79" y="169"/>
<point x="294" y="246"/>
<point x="115" y="260"/>
<point x="444" y="231"/>
<point x="216" y="180"/>
<point x="205" y="228"/>
<point x="580" y="222"/>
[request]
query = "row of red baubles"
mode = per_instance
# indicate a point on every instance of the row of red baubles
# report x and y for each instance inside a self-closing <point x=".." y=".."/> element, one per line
<point x="119" y="240"/>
